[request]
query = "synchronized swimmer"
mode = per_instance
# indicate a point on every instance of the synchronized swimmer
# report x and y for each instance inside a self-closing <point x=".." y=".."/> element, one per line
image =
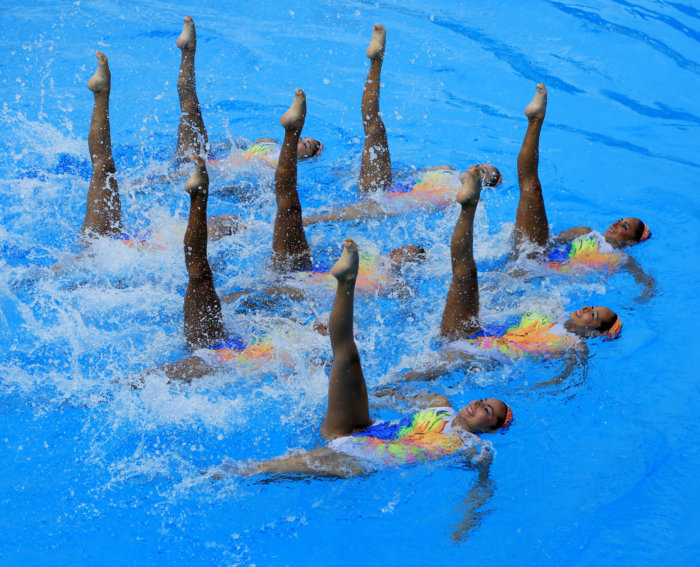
<point x="355" y="444"/>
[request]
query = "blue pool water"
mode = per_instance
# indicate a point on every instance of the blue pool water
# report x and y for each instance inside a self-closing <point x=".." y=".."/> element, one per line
<point x="600" y="468"/>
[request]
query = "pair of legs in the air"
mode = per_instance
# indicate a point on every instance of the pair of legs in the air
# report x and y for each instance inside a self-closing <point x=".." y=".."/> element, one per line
<point x="103" y="214"/>
<point x="348" y="404"/>
<point x="202" y="310"/>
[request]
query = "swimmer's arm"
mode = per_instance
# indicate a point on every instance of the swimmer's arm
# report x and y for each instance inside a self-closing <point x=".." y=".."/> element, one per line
<point x="414" y="399"/>
<point x="473" y="508"/>
<point x="447" y="362"/>
<point x="439" y="168"/>
<point x="273" y="294"/>
<point x="576" y="360"/>
<point x="362" y="210"/>
<point x="571" y="234"/>
<point x="184" y="370"/>
<point x="641" y="278"/>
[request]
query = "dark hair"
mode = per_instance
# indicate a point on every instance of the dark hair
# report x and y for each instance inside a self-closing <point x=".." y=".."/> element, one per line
<point x="606" y="326"/>
<point x="501" y="420"/>
<point x="495" y="179"/>
<point x="317" y="149"/>
<point x="640" y="230"/>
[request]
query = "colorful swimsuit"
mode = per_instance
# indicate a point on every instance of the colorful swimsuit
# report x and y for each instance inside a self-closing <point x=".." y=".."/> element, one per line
<point x="142" y="242"/>
<point x="436" y="188"/>
<point x="586" y="253"/>
<point x="371" y="278"/>
<point x="265" y="153"/>
<point x="424" y="436"/>
<point x="236" y="351"/>
<point x="243" y="156"/>
<point x="534" y="335"/>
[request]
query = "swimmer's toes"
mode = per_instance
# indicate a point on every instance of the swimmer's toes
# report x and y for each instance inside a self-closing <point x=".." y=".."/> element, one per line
<point x="347" y="266"/>
<point x="188" y="37"/>
<point x="295" y="116"/>
<point x="199" y="180"/>
<point x="377" y="43"/>
<point x="538" y="107"/>
<point x="100" y="81"/>
<point x="470" y="191"/>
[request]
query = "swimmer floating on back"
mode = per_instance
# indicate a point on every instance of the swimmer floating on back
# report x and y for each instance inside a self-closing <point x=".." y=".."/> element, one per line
<point x="204" y="328"/>
<point x="535" y="335"/>
<point x="578" y="248"/>
<point x="291" y="254"/>
<point x="435" y="187"/>
<point x="356" y="444"/>
<point x="192" y="135"/>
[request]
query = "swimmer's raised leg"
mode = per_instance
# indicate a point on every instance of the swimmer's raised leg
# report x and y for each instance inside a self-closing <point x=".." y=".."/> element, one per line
<point x="531" y="225"/>
<point x="348" y="405"/>
<point x="104" y="209"/>
<point x="191" y="133"/>
<point x="203" y="318"/>
<point x="375" y="169"/>
<point x="290" y="250"/>
<point x="460" y="319"/>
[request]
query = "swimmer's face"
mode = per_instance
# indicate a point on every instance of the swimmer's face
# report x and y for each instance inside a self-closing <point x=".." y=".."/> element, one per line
<point x="308" y="147"/>
<point x="624" y="231"/>
<point x="406" y="254"/>
<point x="482" y="416"/>
<point x="589" y="319"/>
<point x="490" y="176"/>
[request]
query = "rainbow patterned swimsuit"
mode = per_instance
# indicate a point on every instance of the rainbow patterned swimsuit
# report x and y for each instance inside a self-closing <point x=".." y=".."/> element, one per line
<point x="534" y="335"/>
<point x="437" y="187"/>
<point x="371" y="277"/>
<point x="585" y="253"/>
<point x="266" y="153"/>
<point x="141" y="242"/>
<point x="235" y="351"/>
<point x="424" y="436"/>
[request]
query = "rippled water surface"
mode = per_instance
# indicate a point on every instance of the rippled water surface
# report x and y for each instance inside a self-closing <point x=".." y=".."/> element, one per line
<point x="600" y="467"/>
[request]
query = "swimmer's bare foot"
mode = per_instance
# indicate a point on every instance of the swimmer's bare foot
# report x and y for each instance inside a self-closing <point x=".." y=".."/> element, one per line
<point x="188" y="37"/>
<point x="469" y="193"/>
<point x="377" y="43"/>
<point x="346" y="268"/>
<point x="198" y="183"/>
<point x="294" y="117"/>
<point x="538" y="106"/>
<point x="100" y="81"/>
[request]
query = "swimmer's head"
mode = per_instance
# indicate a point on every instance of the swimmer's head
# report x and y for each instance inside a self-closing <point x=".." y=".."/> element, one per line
<point x="407" y="254"/>
<point x="485" y="416"/>
<point x="627" y="231"/>
<point x="490" y="176"/>
<point x="592" y="321"/>
<point x="308" y="148"/>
